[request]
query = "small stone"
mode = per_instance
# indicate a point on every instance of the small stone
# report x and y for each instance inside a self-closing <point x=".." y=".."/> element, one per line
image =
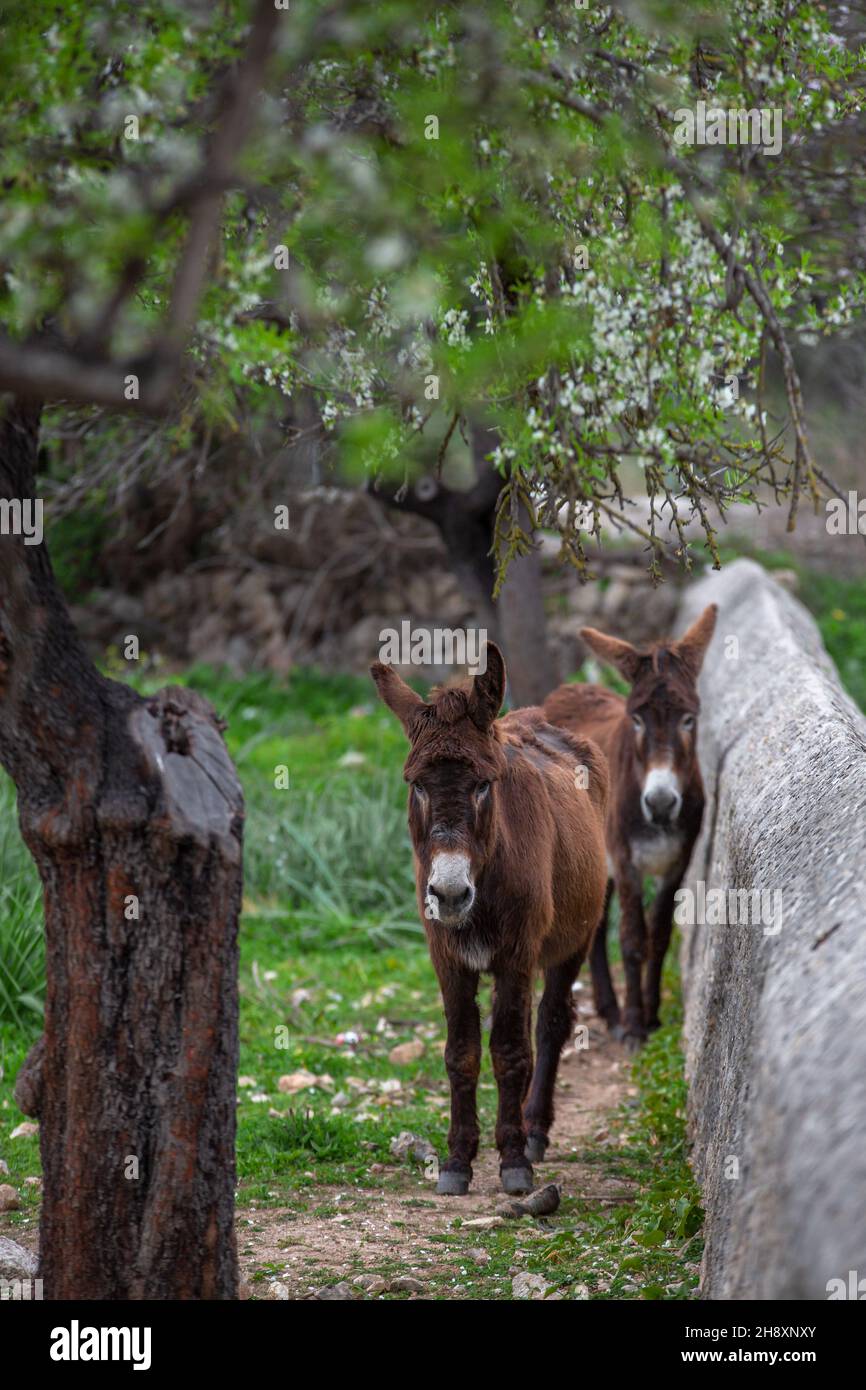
<point x="406" y="1285"/>
<point x="352" y="759"/>
<point x="480" y="1257"/>
<point x="482" y="1223"/>
<point x="247" y="1081"/>
<point x="404" y="1053"/>
<point x="9" y="1199"/>
<point x="366" y="1281"/>
<point x="25" y="1130"/>
<point x="301" y="1081"/>
<point x="335" y="1294"/>
<point x="532" y="1286"/>
<point x="543" y="1202"/>
<point x="15" y="1261"/>
<point x="4" y="1167"/>
<point x="32" y="1182"/>
<point x="407" y="1147"/>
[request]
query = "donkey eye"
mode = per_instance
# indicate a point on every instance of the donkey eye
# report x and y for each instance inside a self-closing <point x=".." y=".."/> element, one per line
<point x="419" y="791"/>
<point x="482" y="789"/>
<point x="687" y="722"/>
<point x="637" y="723"/>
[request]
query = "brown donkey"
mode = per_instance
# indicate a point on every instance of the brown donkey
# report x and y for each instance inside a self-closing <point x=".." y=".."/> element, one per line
<point x="507" y="824"/>
<point x="656" y="802"/>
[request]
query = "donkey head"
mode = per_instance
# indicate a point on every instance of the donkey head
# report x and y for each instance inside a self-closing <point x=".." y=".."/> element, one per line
<point x="454" y="763"/>
<point x="662" y="709"/>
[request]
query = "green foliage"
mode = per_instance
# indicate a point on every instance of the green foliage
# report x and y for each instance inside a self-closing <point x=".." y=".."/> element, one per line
<point x="840" y="608"/>
<point x="495" y="197"/>
<point x="75" y="542"/>
<point x="22" y="952"/>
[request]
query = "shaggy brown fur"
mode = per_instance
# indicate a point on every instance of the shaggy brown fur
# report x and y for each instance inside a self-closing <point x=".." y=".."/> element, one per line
<point x="655" y="728"/>
<point x="514" y="811"/>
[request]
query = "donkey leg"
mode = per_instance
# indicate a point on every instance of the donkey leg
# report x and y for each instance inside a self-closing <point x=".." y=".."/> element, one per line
<point x="632" y="932"/>
<point x="660" y="927"/>
<point x="553" y="1027"/>
<point x="463" y="1063"/>
<point x="603" y="993"/>
<point x="511" y="1052"/>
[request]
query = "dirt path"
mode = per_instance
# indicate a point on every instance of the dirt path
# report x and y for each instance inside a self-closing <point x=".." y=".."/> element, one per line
<point x="396" y="1228"/>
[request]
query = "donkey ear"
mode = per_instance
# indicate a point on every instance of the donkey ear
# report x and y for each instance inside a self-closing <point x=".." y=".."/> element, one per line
<point x="692" y="646"/>
<point x="621" y="655"/>
<point x="488" y="689"/>
<point x="397" y="695"/>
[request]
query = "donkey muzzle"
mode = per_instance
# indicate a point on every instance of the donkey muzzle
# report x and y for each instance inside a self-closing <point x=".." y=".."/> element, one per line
<point x="450" y="891"/>
<point x="661" y="798"/>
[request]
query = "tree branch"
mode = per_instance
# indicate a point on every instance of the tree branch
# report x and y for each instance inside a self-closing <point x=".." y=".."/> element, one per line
<point x="39" y="372"/>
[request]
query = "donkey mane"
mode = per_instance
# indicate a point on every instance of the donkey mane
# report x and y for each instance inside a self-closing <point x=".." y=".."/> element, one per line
<point x="443" y="729"/>
<point x="664" y="675"/>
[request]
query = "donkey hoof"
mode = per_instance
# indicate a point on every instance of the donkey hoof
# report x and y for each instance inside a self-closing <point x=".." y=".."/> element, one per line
<point x="516" y="1181"/>
<point x="451" y="1184"/>
<point x="536" y="1146"/>
<point x="633" y="1042"/>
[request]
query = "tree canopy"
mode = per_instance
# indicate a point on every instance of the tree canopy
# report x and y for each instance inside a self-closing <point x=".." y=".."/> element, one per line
<point x="418" y="217"/>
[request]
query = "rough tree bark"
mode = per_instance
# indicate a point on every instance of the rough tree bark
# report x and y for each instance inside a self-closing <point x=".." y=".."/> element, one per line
<point x="465" y="519"/>
<point x="133" y="813"/>
<point x="522" y="619"/>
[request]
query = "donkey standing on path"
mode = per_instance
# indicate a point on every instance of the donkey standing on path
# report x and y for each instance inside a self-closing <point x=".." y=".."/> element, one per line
<point x="507" y="823"/>
<point x="656" y="801"/>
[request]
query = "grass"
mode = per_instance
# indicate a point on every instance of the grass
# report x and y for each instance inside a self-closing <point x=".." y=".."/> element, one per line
<point x="22" y="953"/>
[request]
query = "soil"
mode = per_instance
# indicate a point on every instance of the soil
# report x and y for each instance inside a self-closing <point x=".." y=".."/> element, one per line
<point x="397" y="1226"/>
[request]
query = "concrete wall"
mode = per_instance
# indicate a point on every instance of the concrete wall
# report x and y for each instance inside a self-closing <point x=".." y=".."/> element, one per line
<point x="776" y="1019"/>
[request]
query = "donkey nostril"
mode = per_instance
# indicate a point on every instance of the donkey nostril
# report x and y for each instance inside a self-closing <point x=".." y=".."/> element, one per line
<point x="661" y="801"/>
<point x="452" y="900"/>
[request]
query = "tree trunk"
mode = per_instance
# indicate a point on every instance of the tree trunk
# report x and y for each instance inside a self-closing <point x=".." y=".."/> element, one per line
<point x="520" y="607"/>
<point x="523" y="625"/>
<point x="517" y="620"/>
<point x="133" y="813"/>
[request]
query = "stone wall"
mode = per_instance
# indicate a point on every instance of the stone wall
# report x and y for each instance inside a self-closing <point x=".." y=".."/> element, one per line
<point x="775" y="1031"/>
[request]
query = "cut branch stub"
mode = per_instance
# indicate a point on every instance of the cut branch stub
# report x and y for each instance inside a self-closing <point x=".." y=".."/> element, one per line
<point x="178" y="737"/>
